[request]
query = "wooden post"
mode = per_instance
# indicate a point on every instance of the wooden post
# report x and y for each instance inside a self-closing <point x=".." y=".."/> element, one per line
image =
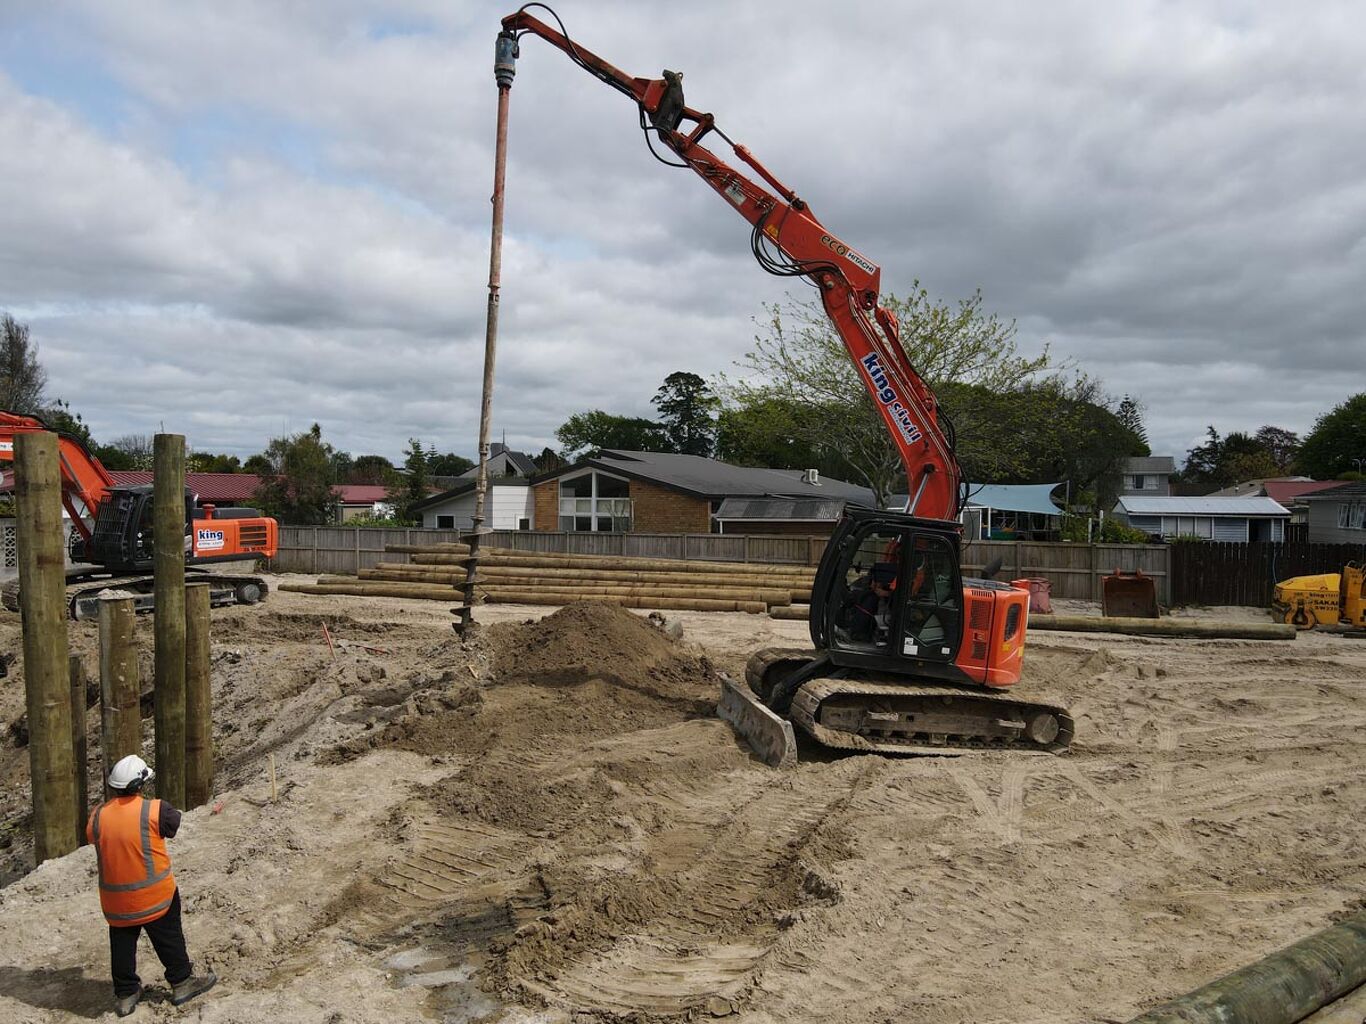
<point x="43" y="611"/>
<point x="198" y="698"/>
<point x="120" y="685"/>
<point x="357" y="571"/>
<point x="168" y="549"/>
<point x="79" y="752"/>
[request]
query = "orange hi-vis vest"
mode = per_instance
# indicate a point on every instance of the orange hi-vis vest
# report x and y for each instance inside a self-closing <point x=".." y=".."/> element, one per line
<point x="136" y="884"/>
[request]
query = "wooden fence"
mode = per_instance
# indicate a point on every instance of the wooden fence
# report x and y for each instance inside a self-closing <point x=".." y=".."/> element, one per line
<point x="1204" y="572"/>
<point x="345" y="549"/>
<point x="1075" y="570"/>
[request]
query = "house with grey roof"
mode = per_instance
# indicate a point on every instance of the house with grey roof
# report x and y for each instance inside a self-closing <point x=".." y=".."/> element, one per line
<point x="1224" y="518"/>
<point x="1148" y="474"/>
<point x="1337" y="515"/>
<point x="503" y="461"/>
<point x="656" y="492"/>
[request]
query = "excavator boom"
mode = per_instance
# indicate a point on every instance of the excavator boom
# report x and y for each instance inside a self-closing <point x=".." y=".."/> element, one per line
<point x="789" y="240"/>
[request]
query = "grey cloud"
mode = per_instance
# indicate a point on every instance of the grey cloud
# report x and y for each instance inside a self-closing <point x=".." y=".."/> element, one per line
<point x="1169" y="194"/>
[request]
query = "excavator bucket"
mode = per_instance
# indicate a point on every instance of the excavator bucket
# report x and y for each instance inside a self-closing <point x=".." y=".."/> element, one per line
<point x="1129" y="595"/>
<point x="767" y="734"/>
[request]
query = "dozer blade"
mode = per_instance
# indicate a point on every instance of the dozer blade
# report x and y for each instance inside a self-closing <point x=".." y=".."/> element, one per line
<point x="768" y="735"/>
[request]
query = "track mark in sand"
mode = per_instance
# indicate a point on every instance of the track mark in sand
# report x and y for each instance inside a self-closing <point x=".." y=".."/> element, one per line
<point x="705" y="947"/>
<point x="1001" y="816"/>
<point x="1174" y="843"/>
<point x="448" y="858"/>
<point x="1167" y="741"/>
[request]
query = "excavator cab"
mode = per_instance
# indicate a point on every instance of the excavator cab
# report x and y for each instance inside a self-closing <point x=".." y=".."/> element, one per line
<point x="888" y="591"/>
<point x="122" y="538"/>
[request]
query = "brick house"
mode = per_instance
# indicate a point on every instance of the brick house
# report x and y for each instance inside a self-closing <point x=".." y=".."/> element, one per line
<point x="653" y="492"/>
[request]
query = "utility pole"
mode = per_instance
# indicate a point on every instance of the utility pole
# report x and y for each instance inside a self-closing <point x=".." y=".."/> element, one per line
<point x="504" y="68"/>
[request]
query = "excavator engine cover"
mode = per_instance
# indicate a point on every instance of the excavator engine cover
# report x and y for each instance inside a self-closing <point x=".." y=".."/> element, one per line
<point x="1130" y="595"/>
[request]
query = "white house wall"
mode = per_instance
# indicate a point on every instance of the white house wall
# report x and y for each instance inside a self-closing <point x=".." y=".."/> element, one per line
<point x="508" y="504"/>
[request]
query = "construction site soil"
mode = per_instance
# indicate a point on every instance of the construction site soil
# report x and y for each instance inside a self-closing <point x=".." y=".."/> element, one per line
<point x="547" y="823"/>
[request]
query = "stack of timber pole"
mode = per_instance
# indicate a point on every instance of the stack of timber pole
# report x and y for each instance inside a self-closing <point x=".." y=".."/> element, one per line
<point x="507" y="576"/>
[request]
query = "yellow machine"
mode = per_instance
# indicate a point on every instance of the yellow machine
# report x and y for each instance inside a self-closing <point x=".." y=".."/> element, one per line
<point x="1329" y="599"/>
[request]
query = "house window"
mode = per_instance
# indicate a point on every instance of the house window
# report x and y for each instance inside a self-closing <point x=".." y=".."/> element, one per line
<point x="595" y="502"/>
<point x="445" y="522"/>
<point x="524" y="524"/>
<point x="1352" y="517"/>
<point x="1139" y="483"/>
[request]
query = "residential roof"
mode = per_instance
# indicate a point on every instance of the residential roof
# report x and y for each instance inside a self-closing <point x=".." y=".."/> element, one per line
<point x="1350" y="489"/>
<point x="1033" y="498"/>
<point x="786" y="509"/>
<point x="1150" y="464"/>
<point x="1284" y="489"/>
<point x="521" y="462"/>
<point x="1210" y="505"/>
<point x="710" y="478"/>
<point x="212" y="488"/>
<point x="465" y="487"/>
<point x="361" y="494"/>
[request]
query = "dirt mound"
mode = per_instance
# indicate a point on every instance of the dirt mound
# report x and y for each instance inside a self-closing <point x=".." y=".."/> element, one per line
<point x="585" y="671"/>
<point x="588" y="641"/>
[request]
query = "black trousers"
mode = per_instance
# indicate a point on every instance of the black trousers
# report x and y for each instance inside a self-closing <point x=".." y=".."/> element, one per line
<point x="167" y="939"/>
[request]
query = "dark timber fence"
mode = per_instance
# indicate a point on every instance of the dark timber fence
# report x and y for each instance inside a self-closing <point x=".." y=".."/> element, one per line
<point x="1075" y="570"/>
<point x="1204" y="572"/>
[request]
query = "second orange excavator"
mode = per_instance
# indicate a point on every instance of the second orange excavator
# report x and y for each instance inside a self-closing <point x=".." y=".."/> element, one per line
<point x="112" y="546"/>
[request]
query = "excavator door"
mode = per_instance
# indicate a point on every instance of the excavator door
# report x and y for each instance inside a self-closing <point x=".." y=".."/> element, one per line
<point x="888" y="595"/>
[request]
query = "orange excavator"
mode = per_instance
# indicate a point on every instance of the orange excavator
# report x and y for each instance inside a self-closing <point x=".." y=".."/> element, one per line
<point x="909" y="657"/>
<point x="112" y="527"/>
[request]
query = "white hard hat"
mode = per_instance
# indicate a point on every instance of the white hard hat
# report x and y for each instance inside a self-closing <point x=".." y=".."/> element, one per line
<point x="130" y="771"/>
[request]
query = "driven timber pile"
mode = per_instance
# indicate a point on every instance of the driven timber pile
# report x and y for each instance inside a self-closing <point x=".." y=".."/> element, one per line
<point x="507" y="576"/>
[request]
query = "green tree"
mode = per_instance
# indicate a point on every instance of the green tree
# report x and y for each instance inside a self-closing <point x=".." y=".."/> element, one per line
<point x="449" y="464"/>
<point x="800" y="358"/>
<point x="1239" y="457"/>
<point x="772" y="432"/>
<point x="1130" y="415"/>
<point x="413" y="485"/>
<point x="22" y="377"/>
<point x="687" y="410"/>
<point x="1054" y="428"/>
<point x="208" y="462"/>
<point x="1336" y="442"/>
<point x="131" y="451"/>
<point x="297" y="489"/>
<point x="259" y="465"/>
<point x="374" y="470"/>
<point x="548" y="460"/>
<point x="59" y="417"/>
<point x="586" y="434"/>
<point x="1281" y="445"/>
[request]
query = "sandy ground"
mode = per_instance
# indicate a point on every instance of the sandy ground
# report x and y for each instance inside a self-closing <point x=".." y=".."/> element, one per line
<point x="547" y="824"/>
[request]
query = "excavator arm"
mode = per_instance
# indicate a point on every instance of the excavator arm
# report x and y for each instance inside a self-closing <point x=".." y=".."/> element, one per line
<point x="85" y="482"/>
<point x="788" y="240"/>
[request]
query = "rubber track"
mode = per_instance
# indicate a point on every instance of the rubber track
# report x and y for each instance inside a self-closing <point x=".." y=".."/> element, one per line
<point x="806" y="704"/>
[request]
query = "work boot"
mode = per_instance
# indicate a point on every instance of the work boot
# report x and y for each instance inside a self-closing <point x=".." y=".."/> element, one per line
<point x="124" y="1005"/>
<point x="196" y="984"/>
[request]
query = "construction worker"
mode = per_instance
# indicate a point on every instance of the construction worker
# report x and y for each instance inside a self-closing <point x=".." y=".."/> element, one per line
<point x="137" y="890"/>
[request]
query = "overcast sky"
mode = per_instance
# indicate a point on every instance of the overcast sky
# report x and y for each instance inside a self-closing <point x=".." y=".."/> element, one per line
<point x="235" y="219"/>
